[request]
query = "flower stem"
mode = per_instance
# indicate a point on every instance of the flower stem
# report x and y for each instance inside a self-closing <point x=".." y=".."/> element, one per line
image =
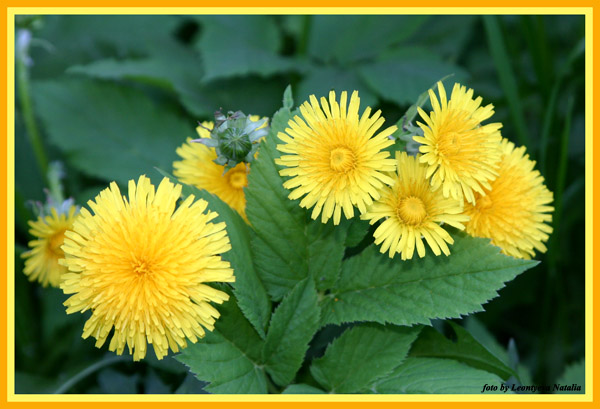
<point x="506" y="76"/>
<point x="87" y="372"/>
<point x="24" y="92"/>
<point x="306" y="26"/>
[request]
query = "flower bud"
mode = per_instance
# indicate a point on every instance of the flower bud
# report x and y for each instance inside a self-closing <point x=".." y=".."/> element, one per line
<point x="235" y="138"/>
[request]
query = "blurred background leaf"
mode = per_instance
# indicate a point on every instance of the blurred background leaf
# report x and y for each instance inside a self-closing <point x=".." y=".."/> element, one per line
<point x="125" y="133"/>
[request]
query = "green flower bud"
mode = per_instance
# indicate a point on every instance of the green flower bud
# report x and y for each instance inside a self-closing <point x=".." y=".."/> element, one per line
<point x="235" y="138"/>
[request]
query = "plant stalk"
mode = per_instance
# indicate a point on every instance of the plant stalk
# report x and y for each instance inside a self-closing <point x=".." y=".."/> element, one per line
<point x="26" y="104"/>
<point x="87" y="372"/>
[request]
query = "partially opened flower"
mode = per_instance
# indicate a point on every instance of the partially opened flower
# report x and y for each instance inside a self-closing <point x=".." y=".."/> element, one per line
<point x="141" y="267"/>
<point x="41" y="262"/>
<point x="334" y="158"/>
<point x="197" y="168"/>
<point x="461" y="154"/>
<point x="412" y="211"/>
<point x="515" y="210"/>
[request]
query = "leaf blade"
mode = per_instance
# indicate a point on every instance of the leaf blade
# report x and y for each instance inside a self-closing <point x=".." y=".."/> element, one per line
<point x="288" y="246"/>
<point x="432" y="375"/>
<point x="373" y="287"/>
<point x="229" y="357"/>
<point x="465" y="349"/>
<point x="361" y="355"/>
<point x="293" y="325"/>
<point x="98" y="127"/>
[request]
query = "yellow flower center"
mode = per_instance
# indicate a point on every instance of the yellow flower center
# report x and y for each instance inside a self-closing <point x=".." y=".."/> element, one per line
<point x="141" y="266"/>
<point x="55" y="242"/>
<point x="449" y="144"/>
<point x="238" y="179"/>
<point x="411" y="210"/>
<point x="342" y="159"/>
<point x="484" y="203"/>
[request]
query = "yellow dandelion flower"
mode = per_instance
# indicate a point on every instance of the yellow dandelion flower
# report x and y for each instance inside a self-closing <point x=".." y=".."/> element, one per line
<point x="412" y="211"/>
<point x="514" y="211"/>
<point x="41" y="262"/>
<point x="334" y="157"/>
<point x="462" y="155"/>
<point x="198" y="169"/>
<point x="141" y="267"/>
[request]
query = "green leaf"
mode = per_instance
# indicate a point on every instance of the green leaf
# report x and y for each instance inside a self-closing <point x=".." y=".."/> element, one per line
<point x="288" y="245"/>
<point x="180" y="71"/>
<point x="241" y="45"/>
<point x="485" y="338"/>
<point x="248" y="289"/>
<point x="233" y="94"/>
<point x="169" y="64"/>
<point x="402" y="76"/>
<point x="431" y="375"/>
<point x="361" y="355"/>
<point x="321" y="80"/>
<point x="373" y="287"/>
<point x="229" y="357"/>
<point x="288" y="99"/>
<point x="293" y="325"/>
<point x="350" y="38"/>
<point x="574" y="375"/>
<point x="356" y="231"/>
<point x="302" y="389"/>
<point x="145" y="70"/>
<point x="465" y="349"/>
<point x="107" y="131"/>
<point x="481" y="334"/>
<point x="447" y="35"/>
<point x="78" y="39"/>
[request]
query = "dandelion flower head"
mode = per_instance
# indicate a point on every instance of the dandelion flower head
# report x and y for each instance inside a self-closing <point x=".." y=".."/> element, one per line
<point x="41" y="261"/>
<point x="515" y="210"/>
<point x="197" y="168"/>
<point x="461" y="154"/>
<point x="141" y="267"/>
<point x="334" y="158"/>
<point x="412" y="211"/>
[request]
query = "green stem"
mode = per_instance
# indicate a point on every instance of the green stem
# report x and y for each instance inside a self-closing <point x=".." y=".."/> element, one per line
<point x="87" y="372"/>
<point x="303" y="46"/>
<point x="561" y="181"/>
<point x="575" y="53"/>
<point x="506" y="76"/>
<point x="547" y="126"/>
<point x="24" y="92"/>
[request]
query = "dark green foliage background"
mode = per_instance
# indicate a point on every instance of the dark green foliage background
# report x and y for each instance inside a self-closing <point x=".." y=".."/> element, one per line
<point x="115" y="95"/>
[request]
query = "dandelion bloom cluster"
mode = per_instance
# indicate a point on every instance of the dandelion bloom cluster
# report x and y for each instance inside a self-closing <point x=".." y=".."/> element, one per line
<point x="41" y="262"/>
<point x="197" y="168"/>
<point x="141" y="266"/>
<point x="411" y="210"/>
<point x="462" y="155"/>
<point x="515" y="210"/>
<point x="334" y="158"/>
